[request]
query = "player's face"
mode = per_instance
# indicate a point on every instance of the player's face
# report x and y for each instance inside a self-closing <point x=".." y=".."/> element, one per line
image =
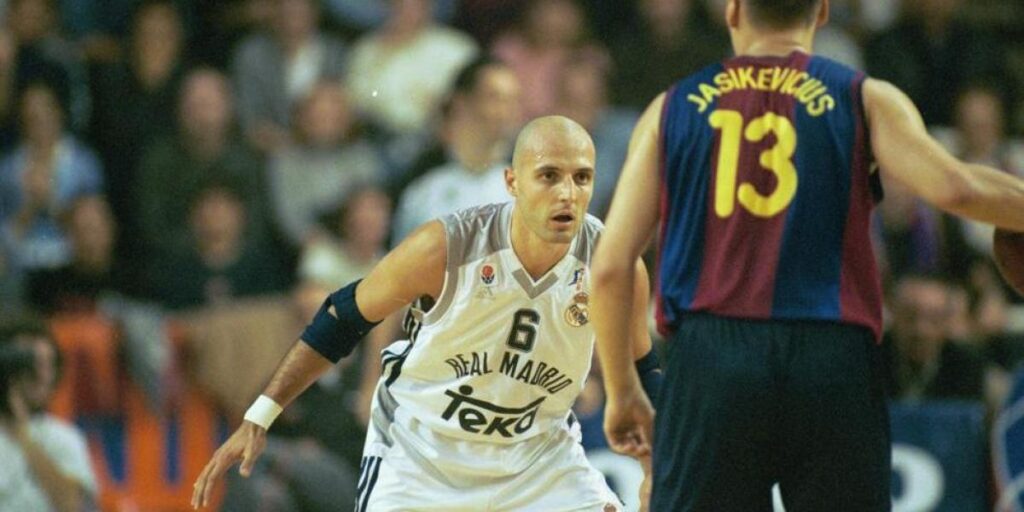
<point x="552" y="188"/>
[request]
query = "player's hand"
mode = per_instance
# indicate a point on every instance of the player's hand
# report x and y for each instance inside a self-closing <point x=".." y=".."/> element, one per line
<point x="245" y="446"/>
<point x="629" y="423"/>
<point x="645" y="486"/>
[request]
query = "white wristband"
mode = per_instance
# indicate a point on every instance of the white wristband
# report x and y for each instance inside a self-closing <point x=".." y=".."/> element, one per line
<point x="263" y="411"/>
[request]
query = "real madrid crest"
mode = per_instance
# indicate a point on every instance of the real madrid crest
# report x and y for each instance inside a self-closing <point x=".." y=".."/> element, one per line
<point x="578" y="313"/>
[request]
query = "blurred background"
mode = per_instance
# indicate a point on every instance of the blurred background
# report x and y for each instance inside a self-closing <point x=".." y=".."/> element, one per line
<point x="181" y="182"/>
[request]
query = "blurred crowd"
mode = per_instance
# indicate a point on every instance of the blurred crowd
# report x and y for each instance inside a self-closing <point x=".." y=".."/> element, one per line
<point x="208" y="164"/>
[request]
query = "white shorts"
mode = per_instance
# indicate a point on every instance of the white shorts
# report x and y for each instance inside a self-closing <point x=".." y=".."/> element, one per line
<point x="406" y="467"/>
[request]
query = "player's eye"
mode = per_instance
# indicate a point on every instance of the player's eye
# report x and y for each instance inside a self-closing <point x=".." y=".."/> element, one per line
<point x="549" y="176"/>
<point x="583" y="178"/>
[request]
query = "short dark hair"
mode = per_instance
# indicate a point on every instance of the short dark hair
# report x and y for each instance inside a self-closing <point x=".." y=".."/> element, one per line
<point x="781" y="13"/>
<point x="15" y="328"/>
<point x="466" y="80"/>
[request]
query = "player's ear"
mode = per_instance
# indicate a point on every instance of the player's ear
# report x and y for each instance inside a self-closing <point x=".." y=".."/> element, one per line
<point x="823" y="13"/>
<point x="732" y="14"/>
<point x="510" y="181"/>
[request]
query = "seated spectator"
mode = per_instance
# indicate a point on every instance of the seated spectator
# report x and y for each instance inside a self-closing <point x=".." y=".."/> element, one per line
<point x="77" y="286"/>
<point x="221" y="263"/>
<point x="327" y="160"/>
<point x="134" y="102"/>
<point x="40" y="179"/>
<point x="480" y="121"/>
<point x="400" y="72"/>
<point x="45" y="460"/>
<point x="914" y="238"/>
<point x="540" y="47"/>
<point x="922" y="362"/>
<point x="44" y="53"/>
<point x="583" y="97"/>
<point x="359" y="240"/>
<point x="204" y="147"/>
<point x="671" y="43"/>
<point x="274" y="70"/>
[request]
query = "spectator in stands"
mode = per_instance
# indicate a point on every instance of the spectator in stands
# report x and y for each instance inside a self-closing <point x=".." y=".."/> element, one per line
<point x="990" y="319"/>
<point x="221" y="263"/>
<point x="540" y="47"/>
<point x="328" y="158"/>
<point x="979" y="136"/>
<point x="359" y="239"/>
<point x="671" y="43"/>
<point x="40" y="179"/>
<point x="273" y="71"/>
<point x="922" y="361"/>
<point x="45" y="461"/>
<point x="481" y="118"/>
<point x="77" y="286"/>
<point x="204" y="147"/>
<point x="913" y="238"/>
<point x="400" y="72"/>
<point x="930" y="53"/>
<point x="134" y="102"/>
<point x="43" y="52"/>
<point x="583" y="97"/>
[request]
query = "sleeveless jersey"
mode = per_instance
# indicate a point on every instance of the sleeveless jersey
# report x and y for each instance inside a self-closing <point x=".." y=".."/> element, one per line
<point x="499" y="358"/>
<point x="767" y="191"/>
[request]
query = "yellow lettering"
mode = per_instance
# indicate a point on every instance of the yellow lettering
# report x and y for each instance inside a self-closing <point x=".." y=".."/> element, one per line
<point x="724" y="83"/>
<point x="737" y="83"/>
<point x="747" y="78"/>
<point x="701" y="104"/>
<point x="791" y="83"/>
<point x="764" y="77"/>
<point x="779" y="78"/>
<point x="709" y="92"/>
<point x="824" y="103"/>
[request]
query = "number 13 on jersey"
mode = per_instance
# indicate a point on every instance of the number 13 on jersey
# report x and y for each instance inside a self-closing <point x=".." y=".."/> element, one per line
<point x="778" y="160"/>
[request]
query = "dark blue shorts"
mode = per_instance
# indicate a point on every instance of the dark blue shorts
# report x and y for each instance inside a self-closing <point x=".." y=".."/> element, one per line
<point x="746" y="404"/>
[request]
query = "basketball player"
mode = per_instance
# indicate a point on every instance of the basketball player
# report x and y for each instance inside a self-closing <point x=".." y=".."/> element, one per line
<point x="472" y="413"/>
<point x="760" y="172"/>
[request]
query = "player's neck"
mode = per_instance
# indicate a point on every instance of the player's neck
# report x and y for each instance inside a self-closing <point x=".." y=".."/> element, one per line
<point x="775" y="44"/>
<point x="537" y="256"/>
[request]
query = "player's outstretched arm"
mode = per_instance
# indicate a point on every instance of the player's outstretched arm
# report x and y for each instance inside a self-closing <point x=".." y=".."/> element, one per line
<point x="413" y="269"/>
<point x="633" y="215"/>
<point x="909" y="155"/>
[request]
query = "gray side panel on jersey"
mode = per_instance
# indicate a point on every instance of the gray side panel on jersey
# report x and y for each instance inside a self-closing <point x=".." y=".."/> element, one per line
<point x="470" y="235"/>
<point x="589" y="234"/>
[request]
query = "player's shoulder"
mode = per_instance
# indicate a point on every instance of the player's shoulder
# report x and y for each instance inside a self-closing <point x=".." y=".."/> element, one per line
<point x="477" y="231"/>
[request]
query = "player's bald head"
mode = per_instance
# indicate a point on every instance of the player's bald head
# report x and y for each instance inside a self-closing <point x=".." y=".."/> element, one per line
<point x="546" y="135"/>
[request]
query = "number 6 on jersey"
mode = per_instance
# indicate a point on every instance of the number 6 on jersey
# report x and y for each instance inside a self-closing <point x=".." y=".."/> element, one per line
<point x="524" y="330"/>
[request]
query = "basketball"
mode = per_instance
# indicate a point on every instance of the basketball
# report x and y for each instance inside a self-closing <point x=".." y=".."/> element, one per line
<point x="1008" y="249"/>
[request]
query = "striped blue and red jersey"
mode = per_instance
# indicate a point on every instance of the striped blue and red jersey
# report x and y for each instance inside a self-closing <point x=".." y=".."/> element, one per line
<point x="767" y="193"/>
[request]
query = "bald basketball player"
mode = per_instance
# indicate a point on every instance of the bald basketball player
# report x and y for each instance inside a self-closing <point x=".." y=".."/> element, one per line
<point x="472" y="412"/>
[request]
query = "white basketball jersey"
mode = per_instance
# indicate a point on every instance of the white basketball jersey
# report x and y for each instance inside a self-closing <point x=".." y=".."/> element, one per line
<point x="500" y="357"/>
